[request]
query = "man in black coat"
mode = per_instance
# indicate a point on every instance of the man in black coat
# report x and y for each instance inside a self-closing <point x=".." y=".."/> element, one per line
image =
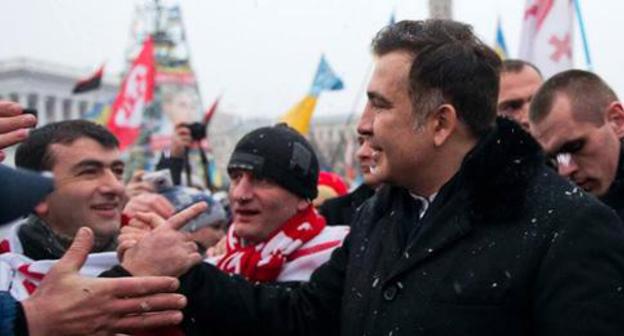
<point x="473" y="235"/>
<point x="579" y="121"/>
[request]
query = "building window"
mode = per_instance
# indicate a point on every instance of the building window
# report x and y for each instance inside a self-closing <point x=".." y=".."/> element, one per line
<point x="50" y="104"/>
<point x="14" y="97"/>
<point x="82" y="108"/>
<point x="67" y="109"/>
<point x="32" y="101"/>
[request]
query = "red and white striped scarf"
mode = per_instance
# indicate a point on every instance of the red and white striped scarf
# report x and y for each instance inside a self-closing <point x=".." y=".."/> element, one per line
<point x="263" y="261"/>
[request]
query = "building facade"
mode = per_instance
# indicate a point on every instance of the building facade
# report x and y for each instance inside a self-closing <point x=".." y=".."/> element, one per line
<point x="47" y="87"/>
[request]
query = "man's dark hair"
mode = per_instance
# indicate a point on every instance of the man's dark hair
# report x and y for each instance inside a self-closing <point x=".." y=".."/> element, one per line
<point x="34" y="152"/>
<point x="517" y="65"/>
<point x="451" y="65"/>
<point x="589" y="96"/>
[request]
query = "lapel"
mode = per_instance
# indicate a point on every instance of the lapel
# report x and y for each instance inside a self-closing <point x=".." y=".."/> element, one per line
<point x="446" y="225"/>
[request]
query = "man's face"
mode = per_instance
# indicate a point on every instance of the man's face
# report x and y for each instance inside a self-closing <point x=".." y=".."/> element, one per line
<point x="585" y="152"/>
<point x="364" y="155"/>
<point x="88" y="190"/>
<point x="364" y="152"/>
<point x="400" y="146"/>
<point x="260" y="206"/>
<point x="516" y="91"/>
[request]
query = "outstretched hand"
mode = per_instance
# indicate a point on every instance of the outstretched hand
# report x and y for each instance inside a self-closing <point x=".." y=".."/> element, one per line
<point x="67" y="303"/>
<point x="164" y="250"/>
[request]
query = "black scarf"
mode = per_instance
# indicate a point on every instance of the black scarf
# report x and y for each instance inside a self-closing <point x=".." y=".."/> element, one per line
<point x="40" y="242"/>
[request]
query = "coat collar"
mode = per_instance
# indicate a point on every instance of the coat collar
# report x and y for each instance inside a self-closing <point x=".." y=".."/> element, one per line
<point x="489" y="188"/>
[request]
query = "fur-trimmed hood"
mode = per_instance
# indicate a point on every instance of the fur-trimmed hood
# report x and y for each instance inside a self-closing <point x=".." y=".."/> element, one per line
<point x="498" y="170"/>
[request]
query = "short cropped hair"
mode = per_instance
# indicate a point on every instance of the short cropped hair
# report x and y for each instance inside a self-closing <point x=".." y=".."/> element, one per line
<point x="517" y="65"/>
<point x="589" y="96"/>
<point x="450" y="65"/>
<point x="34" y="152"/>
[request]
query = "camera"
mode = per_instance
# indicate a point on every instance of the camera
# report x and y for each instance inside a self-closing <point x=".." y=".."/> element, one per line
<point x="182" y="197"/>
<point x="161" y="180"/>
<point x="198" y="131"/>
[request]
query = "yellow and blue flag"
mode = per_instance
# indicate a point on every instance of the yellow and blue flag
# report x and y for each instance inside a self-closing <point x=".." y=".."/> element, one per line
<point x="99" y="113"/>
<point x="500" y="46"/>
<point x="299" y="116"/>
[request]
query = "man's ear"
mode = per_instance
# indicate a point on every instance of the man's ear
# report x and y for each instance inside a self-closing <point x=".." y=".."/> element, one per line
<point x="615" y="118"/>
<point x="42" y="208"/>
<point x="443" y="123"/>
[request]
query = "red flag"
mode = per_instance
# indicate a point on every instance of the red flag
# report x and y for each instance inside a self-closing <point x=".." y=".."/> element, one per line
<point x="211" y="111"/>
<point x="91" y="83"/>
<point x="136" y="91"/>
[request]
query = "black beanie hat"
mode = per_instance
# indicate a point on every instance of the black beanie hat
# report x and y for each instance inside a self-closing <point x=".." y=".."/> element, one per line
<point x="281" y="154"/>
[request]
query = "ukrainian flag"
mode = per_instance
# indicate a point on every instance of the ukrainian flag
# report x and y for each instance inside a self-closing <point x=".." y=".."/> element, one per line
<point x="500" y="46"/>
<point x="299" y="116"/>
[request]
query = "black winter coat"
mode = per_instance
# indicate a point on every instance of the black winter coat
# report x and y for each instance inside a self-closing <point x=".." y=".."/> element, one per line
<point x="341" y="210"/>
<point x="615" y="195"/>
<point x="507" y="248"/>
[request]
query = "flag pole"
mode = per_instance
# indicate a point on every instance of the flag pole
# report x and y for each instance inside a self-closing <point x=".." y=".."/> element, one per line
<point x="581" y="22"/>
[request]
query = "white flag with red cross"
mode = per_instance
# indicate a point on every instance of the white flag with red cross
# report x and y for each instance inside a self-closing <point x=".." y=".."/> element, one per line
<point x="547" y="35"/>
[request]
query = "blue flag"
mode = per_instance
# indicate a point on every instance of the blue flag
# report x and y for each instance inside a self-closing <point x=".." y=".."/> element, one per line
<point x="325" y="79"/>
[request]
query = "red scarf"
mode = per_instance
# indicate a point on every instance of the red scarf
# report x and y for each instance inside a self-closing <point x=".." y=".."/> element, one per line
<point x="263" y="261"/>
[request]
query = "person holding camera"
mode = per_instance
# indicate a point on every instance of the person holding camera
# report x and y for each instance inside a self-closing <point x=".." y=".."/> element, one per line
<point x="187" y="136"/>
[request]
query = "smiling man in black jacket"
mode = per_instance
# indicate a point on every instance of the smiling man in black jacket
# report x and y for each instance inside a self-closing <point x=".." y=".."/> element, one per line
<point x="473" y="235"/>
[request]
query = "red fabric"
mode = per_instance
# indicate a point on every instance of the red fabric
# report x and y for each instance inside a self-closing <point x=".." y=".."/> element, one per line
<point x="24" y="269"/>
<point x="30" y="287"/>
<point x="136" y="91"/>
<point x="263" y="262"/>
<point x="333" y="181"/>
<point x="4" y="246"/>
<point x="314" y="249"/>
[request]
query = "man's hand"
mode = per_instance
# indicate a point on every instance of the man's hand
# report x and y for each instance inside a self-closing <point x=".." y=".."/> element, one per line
<point x="136" y="186"/>
<point x="149" y="202"/>
<point x="165" y="250"/>
<point x="67" y="303"/>
<point x="136" y="229"/>
<point x="13" y="125"/>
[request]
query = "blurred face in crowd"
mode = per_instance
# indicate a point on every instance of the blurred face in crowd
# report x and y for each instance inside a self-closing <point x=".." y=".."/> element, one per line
<point x="515" y="94"/>
<point x="364" y="155"/>
<point x="400" y="145"/>
<point x="260" y="206"/>
<point x="89" y="191"/>
<point x="364" y="152"/>
<point x="586" y="152"/>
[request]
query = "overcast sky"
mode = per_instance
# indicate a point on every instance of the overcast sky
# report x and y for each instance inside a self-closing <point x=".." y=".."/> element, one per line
<point x="262" y="54"/>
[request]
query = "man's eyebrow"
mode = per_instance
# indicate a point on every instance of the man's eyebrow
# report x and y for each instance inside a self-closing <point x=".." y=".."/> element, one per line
<point x="96" y="164"/>
<point x="374" y="95"/>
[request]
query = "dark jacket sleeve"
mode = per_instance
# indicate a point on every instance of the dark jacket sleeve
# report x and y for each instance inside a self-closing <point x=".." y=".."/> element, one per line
<point x="580" y="283"/>
<point x="175" y="165"/>
<point x="222" y="304"/>
<point x="12" y="318"/>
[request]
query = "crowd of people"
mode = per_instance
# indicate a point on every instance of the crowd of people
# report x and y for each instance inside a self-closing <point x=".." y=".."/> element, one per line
<point x="491" y="204"/>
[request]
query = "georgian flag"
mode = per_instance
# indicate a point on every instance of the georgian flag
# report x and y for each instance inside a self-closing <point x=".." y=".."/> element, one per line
<point x="547" y="35"/>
